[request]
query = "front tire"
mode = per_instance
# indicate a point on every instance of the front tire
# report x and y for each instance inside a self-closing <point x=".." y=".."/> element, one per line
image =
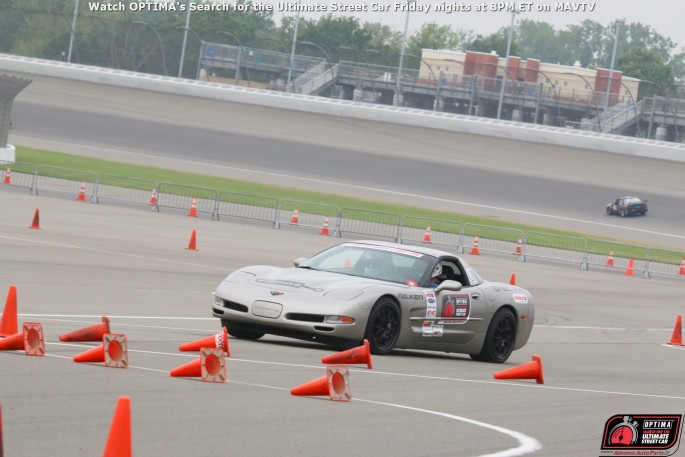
<point x="383" y="327"/>
<point x="500" y="338"/>
<point x="622" y="212"/>
<point x="237" y="331"/>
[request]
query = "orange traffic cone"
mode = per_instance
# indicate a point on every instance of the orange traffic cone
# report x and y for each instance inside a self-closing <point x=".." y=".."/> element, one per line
<point x="82" y="192"/>
<point x="211" y="366"/>
<point x="475" y="248"/>
<point x="193" y="208"/>
<point x="192" y="242"/>
<point x="153" y="197"/>
<point x="30" y="339"/>
<point x="324" y="229"/>
<point x="427" y="235"/>
<point x="36" y="220"/>
<point x="682" y="268"/>
<point x="90" y="333"/>
<point x="530" y="370"/>
<point x="610" y="259"/>
<point x="677" y="337"/>
<point x="8" y="323"/>
<point x="113" y="352"/>
<point x="629" y="268"/>
<point x="218" y="341"/>
<point x="335" y="384"/>
<point x="7" y="179"/>
<point x="512" y="280"/>
<point x="519" y="247"/>
<point x="295" y="218"/>
<point x="119" y="438"/>
<point x="360" y="354"/>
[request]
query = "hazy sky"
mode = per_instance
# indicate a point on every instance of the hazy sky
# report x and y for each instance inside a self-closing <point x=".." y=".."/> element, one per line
<point x="667" y="17"/>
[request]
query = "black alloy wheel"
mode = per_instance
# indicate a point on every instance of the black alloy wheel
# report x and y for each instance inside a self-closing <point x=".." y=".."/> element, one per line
<point x="383" y="328"/>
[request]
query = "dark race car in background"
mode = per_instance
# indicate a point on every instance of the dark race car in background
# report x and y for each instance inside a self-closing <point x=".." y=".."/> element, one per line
<point x="627" y="206"/>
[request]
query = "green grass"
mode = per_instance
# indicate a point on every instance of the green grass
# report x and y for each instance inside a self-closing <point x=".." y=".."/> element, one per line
<point x="140" y="177"/>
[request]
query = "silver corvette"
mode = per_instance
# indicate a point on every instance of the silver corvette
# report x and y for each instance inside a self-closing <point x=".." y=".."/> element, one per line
<point x="393" y="295"/>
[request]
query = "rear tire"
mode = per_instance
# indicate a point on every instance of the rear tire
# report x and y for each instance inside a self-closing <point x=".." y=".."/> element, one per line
<point x="237" y="331"/>
<point x="500" y="338"/>
<point x="383" y="327"/>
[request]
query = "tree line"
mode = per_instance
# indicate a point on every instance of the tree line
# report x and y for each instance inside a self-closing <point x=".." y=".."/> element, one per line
<point x="152" y="41"/>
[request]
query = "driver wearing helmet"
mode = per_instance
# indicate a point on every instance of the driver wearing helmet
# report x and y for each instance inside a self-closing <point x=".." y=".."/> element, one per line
<point x="373" y="264"/>
<point x="436" y="276"/>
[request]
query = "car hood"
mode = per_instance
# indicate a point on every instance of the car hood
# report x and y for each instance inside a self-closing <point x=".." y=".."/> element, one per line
<point x="306" y="281"/>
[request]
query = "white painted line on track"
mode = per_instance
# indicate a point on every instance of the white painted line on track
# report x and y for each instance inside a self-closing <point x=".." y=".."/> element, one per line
<point x="103" y="251"/>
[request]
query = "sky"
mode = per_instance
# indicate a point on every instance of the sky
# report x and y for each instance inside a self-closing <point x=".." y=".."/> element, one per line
<point x="664" y="16"/>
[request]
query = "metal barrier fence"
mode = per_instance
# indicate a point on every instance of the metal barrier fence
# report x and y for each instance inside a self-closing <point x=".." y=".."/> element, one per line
<point x="247" y="207"/>
<point x="89" y="186"/>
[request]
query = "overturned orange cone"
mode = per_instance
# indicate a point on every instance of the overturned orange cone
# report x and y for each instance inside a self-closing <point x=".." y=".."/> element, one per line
<point x="119" y="438"/>
<point x="530" y="370"/>
<point x="360" y="354"/>
<point x="335" y="384"/>
<point x="30" y="339"/>
<point x="218" y="341"/>
<point x="113" y="352"/>
<point x="8" y="323"/>
<point x="211" y="366"/>
<point x="90" y="333"/>
<point x="677" y="337"/>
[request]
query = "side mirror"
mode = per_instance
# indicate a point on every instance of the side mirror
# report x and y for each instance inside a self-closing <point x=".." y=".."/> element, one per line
<point x="448" y="284"/>
<point x="298" y="261"/>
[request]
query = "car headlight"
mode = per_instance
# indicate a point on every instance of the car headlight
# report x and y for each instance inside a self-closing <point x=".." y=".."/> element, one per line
<point x="339" y="320"/>
<point x="343" y="294"/>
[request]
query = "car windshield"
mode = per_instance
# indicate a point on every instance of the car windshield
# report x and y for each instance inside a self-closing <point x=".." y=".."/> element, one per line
<point x="374" y="262"/>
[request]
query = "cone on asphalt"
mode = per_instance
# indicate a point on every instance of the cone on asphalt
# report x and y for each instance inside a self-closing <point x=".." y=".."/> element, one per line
<point x="324" y="229"/>
<point x="218" y="341"/>
<point x="119" y="438"/>
<point x="91" y="333"/>
<point x="519" y="247"/>
<point x="610" y="259"/>
<point x="360" y="354"/>
<point x="36" y="220"/>
<point x="427" y="235"/>
<point x="82" y="192"/>
<point x="193" y="241"/>
<point x="113" y="352"/>
<point x="475" y="248"/>
<point x="8" y="323"/>
<point x="335" y="384"/>
<point x="7" y="179"/>
<point x="30" y="339"/>
<point x="530" y="370"/>
<point x="512" y="280"/>
<point x="682" y="268"/>
<point x="153" y="197"/>
<point x="193" y="208"/>
<point x="677" y="337"/>
<point x="629" y="268"/>
<point x="210" y="367"/>
<point x="295" y="218"/>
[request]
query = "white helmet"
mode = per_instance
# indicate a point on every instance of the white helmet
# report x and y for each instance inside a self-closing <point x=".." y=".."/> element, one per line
<point x="437" y="271"/>
<point x="373" y="263"/>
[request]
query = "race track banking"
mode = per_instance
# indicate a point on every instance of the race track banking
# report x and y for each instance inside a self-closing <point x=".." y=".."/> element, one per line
<point x="600" y="334"/>
<point x="524" y="182"/>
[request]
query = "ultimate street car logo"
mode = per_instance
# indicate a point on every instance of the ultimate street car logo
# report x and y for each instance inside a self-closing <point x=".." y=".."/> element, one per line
<point x="641" y="434"/>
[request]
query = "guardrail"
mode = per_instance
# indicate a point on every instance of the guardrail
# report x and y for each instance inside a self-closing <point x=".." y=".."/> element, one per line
<point x="337" y="222"/>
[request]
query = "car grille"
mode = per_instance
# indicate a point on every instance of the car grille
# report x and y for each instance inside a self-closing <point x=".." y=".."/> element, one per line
<point x="304" y="317"/>
<point x="234" y="306"/>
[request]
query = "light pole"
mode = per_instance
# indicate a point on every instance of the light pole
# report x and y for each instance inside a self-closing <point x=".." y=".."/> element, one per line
<point x="506" y="64"/>
<point x="328" y="58"/>
<point x="611" y="69"/>
<point x="161" y="46"/>
<point x="241" y="50"/>
<point x="199" y="58"/>
<point x="185" y="39"/>
<point x="375" y="51"/>
<point x="73" y="30"/>
<point x="398" y="89"/>
<point x="288" y="87"/>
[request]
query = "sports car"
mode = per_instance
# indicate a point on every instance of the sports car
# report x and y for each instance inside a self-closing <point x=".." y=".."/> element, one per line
<point x="627" y="206"/>
<point x="393" y="295"/>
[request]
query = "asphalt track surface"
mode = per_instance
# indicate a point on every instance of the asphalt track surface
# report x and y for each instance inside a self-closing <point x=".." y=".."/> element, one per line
<point x="524" y="182"/>
<point x="600" y="334"/>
